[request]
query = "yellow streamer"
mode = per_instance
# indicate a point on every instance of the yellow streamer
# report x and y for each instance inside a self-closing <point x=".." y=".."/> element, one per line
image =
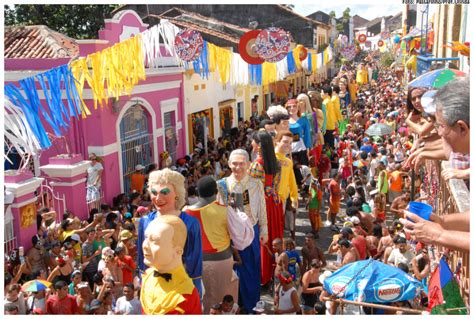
<point x="223" y="59"/>
<point x="326" y="57"/>
<point x="314" y="66"/>
<point x="98" y="64"/>
<point x="296" y="57"/>
<point x="211" y="56"/>
<point x="269" y="73"/>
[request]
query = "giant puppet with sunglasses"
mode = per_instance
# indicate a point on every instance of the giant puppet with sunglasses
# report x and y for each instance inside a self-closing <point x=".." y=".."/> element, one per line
<point x="167" y="193"/>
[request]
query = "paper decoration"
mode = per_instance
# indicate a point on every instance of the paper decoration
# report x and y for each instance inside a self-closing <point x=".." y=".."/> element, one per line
<point x="247" y="47"/>
<point x="302" y="52"/>
<point x="18" y="133"/>
<point x="188" y="45"/>
<point x="349" y="52"/>
<point x="151" y="48"/>
<point x="272" y="44"/>
<point x="380" y="43"/>
<point x="362" y="38"/>
<point x="385" y="35"/>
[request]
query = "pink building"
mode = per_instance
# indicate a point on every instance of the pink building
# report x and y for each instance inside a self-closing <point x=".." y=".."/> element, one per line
<point x="134" y="130"/>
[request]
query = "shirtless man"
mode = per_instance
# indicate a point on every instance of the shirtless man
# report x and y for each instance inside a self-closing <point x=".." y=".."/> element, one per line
<point x="348" y="251"/>
<point x="311" y="251"/>
<point x="281" y="260"/>
<point x="399" y="204"/>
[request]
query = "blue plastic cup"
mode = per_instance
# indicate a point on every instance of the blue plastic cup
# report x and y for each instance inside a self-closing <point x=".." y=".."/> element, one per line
<point x="421" y="209"/>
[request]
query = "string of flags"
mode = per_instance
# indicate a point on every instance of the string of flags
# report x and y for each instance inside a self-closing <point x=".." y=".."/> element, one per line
<point x="265" y="56"/>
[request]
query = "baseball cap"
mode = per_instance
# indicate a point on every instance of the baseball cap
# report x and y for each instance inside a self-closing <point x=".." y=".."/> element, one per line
<point x="76" y="237"/>
<point x="365" y="139"/>
<point x="355" y="220"/>
<point x="125" y="234"/>
<point x="139" y="167"/>
<point x="127" y="215"/>
<point x="82" y="284"/>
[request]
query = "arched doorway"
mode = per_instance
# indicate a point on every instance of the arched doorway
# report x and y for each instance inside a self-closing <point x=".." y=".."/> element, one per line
<point x="136" y="140"/>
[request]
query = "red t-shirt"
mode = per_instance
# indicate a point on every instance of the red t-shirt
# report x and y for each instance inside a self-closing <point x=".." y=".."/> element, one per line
<point x="126" y="273"/>
<point x="361" y="245"/>
<point x="65" y="306"/>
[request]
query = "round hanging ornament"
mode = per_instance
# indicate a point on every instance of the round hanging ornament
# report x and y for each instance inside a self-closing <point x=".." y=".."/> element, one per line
<point x="380" y="43"/>
<point x="188" y="44"/>
<point x="272" y="44"/>
<point x="362" y="38"/>
<point x="247" y="48"/>
<point x="302" y="52"/>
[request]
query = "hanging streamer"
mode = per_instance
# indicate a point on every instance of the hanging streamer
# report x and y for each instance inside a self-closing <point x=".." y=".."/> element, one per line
<point x="296" y="57"/>
<point x="269" y="73"/>
<point x="97" y="80"/>
<point x="31" y="111"/>
<point x="314" y="65"/>
<point x="291" y="63"/>
<point x="223" y="58"/>
<point x="282" y="69"/>
<point x="255" y="71"/>
<point x="239" y="74"/>
<point x="310" y="62"/>
<point x="52" y="93"/>
<point x="201" y="64"/>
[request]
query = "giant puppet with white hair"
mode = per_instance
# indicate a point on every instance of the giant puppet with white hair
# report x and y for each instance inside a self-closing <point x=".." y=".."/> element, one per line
<point x="245" y="193"/>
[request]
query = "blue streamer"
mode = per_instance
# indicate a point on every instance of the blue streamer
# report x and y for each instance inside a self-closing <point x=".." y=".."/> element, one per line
<point x="31" y="112"/>
<point x="71" y="91"/>
<point x="291" y="62"/>
<point x="204" y="61"/>
<point x="255" y="71"/>
<point x="50" y="94"/>
<point x="310" y="62"/>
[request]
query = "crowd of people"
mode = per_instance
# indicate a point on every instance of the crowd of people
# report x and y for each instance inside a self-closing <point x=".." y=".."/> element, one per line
<point x="312" y="153"/>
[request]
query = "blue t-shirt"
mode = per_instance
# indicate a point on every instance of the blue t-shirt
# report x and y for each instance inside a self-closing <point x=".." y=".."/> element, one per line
<point x="293" y="259"/>
<point x="367" y="148"/>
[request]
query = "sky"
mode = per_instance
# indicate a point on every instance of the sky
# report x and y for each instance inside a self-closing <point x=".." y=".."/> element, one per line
<point x="368" y="11"/>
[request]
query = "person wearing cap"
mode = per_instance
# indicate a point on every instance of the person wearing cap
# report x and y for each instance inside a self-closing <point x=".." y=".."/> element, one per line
<point x="84" y="297"/>
<point x="76" y="277"/>
<point x="259" y="308"/>
<point x="94" y="180"/>
<point x="137" y="179"/>
<point x="76" y="244"/>
<point x="287" y="300"/>
<point x="217" y="253"/>
<point x="401" y="253"/>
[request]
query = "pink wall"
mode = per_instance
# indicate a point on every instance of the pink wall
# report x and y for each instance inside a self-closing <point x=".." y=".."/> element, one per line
<point x="99" y="129"/>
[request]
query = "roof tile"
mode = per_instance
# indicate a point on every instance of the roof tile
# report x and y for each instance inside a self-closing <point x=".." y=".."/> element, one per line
<point x="38" y="42"/>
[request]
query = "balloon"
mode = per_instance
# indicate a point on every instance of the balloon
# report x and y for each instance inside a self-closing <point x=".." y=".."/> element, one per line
<point x="396" y="39"/>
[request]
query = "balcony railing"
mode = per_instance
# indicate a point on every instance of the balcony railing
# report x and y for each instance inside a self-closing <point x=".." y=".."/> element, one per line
<point x="453" y="198"/>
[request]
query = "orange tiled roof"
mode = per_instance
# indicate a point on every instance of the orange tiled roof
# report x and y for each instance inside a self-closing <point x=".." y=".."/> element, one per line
<point x="37" y="42"/>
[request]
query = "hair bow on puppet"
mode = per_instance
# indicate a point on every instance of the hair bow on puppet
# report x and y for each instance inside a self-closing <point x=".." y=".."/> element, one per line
<point x="164" y="155"/>
<point x="285" y="280"/>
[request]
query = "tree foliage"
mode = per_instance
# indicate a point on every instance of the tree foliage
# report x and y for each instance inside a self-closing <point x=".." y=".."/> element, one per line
<point x="332" y="14"/>
<point x="387" y="59"/>
<point x="76" y="21"/>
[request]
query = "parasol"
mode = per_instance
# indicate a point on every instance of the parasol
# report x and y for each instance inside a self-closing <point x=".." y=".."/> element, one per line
<point x="35" y="285"/>
<point x="436" y="79"/>
<point x="372" y="281"/>
<point x="379" y="129"/>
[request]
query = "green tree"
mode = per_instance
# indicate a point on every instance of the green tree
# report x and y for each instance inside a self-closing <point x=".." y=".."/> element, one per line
<point x="76" y="21"/>
<point x="332" y="14"/>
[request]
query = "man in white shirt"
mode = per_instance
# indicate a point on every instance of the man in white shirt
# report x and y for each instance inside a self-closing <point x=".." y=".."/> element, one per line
<point x="94" y="179"/>
<point x="401" y="254"/>
<point x="128" y="304"/>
